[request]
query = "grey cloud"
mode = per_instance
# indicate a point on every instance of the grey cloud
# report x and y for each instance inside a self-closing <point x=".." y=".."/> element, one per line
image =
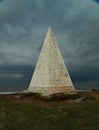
<point x="97" y="1"/>
<point x="23" y="25"/>
<point x="11" y="75"/>
<point x="15" y="77"/>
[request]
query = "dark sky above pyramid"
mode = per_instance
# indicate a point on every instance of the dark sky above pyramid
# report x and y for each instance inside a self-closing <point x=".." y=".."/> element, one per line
<point x="23" y="25"/>
<point x="97" y="1"/>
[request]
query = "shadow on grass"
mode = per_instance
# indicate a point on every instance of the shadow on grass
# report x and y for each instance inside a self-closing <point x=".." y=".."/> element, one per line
<point x="54" y="97"/>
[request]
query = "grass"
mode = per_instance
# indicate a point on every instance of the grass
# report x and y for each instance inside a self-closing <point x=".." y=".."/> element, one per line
<point x="53" y="115"/>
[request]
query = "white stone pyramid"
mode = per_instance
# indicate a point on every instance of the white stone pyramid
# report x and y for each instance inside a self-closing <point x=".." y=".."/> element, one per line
<point x="51" y="75"/>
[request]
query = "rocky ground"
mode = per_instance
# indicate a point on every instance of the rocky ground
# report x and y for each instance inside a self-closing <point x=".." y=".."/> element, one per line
<point x="36" y="99"/>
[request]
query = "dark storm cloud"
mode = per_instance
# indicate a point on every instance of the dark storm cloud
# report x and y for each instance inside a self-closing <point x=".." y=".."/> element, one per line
<point x="15" y="75"/>
<point x="23" y="25"/>
<point x="97" y="1"/>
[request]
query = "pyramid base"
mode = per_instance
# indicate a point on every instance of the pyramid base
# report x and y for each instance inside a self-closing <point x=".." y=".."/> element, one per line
<point x="48" y="92"/>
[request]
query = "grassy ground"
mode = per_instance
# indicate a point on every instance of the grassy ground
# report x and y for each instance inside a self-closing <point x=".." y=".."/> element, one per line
<point x="29" y="113"/>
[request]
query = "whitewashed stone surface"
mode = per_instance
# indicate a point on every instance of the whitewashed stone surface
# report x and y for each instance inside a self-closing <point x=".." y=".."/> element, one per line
<point x="51" y="75"/>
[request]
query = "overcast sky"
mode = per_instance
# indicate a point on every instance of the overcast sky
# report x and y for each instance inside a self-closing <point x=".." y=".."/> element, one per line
<point x="23" y="25"/>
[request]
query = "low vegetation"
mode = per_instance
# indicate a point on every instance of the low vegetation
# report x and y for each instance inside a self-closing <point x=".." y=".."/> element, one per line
<point x="28" y="112"/>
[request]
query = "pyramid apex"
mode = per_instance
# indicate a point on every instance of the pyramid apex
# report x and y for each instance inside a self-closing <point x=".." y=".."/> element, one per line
<point x="49" y="28"/>
<point x="50" y="34"/>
